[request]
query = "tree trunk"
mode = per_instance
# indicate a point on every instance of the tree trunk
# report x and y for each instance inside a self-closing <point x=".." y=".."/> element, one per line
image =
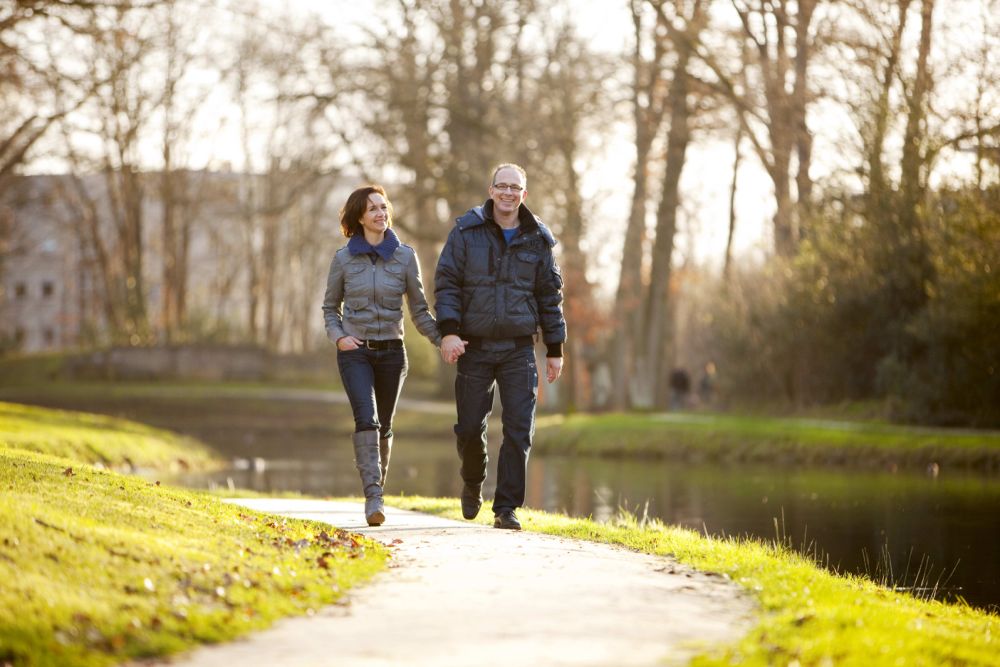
<point x="628" y="301"/>
<point x="647" y="110"/>
<point x="727" y="263"/>
<point x="652" y="362"/>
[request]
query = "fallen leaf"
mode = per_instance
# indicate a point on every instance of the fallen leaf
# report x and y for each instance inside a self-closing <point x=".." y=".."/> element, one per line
<point x="68" y="472"/>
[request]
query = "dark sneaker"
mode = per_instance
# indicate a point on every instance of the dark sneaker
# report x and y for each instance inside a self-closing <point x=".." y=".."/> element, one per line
<point x="508" y="520"/>
<point x="472" y="500"/>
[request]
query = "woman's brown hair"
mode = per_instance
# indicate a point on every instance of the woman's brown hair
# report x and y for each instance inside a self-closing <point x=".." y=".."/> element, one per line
<point x="354" y="208"/>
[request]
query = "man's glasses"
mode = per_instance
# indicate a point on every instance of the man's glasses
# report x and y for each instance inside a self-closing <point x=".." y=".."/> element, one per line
<point x="508" y="187"/>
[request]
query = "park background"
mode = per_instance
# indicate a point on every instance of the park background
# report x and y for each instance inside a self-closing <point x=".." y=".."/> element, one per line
<point x="791" y="208"/>
<point x="803" y="194"/>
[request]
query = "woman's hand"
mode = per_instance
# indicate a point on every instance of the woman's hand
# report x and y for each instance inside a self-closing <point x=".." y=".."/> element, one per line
<point x="452" y="347"/>
<point x="349" y="343"/>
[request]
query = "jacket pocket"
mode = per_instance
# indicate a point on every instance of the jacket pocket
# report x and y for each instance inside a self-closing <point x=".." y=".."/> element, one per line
<point x="524" y="266"/>
<point x="394" y="277"/>
<point x="357" y="278"/>
<point x="356" y="303"/>
<point x="392" y="302"/>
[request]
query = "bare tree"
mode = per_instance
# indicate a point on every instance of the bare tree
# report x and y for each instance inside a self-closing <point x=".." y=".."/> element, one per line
<point x="115" y="218"/>
<point x="649" y="87"/>
<point x="782" y="43"/>
<point x="567" y="102"/>
<point x="180" y="189"/>
<point x="35" y="94"/>
<point x="287" y="162"/>
<point x="652" y="367"/>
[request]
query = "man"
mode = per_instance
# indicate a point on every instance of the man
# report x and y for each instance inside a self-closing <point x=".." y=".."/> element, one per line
<point x="496" y="284"/>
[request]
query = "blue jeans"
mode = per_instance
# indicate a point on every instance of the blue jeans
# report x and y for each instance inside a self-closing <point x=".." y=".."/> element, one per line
<point x="480" y="371"/>
<point x="373" y="380"/>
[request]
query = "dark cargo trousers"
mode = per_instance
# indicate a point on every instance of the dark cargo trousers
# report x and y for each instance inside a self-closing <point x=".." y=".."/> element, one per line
<point x="481" y="370"/>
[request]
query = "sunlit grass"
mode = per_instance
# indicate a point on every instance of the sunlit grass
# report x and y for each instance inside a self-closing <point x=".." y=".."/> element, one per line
<point x="806" y="614"/>
<point x="752" y="438"/>
<point x="99" y="567"/>
<point x="90" y="438"/>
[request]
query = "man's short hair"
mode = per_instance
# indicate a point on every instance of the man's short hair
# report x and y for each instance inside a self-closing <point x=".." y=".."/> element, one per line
<point x="508" y="165"/>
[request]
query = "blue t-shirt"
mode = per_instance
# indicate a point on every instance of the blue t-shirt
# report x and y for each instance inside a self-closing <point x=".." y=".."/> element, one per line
<point x="508" y="234"/>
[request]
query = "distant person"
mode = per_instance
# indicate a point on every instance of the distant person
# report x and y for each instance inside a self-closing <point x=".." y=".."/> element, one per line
<point x="680" y="387"/>
<point x="496" y="284"/>
<point x="706" y="385"/>
<point x="363" y="310"/>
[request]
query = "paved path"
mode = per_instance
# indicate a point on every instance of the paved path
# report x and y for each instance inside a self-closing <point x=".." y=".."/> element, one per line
<point x="462" y="594"/>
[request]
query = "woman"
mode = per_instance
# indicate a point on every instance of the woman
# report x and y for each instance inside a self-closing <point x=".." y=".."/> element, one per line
<point x="363" y="310"/>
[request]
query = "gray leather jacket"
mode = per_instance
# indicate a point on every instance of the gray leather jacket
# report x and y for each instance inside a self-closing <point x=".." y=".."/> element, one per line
<point x="366" y="300"/>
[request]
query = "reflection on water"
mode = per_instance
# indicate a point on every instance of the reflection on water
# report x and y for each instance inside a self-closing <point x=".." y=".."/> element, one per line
<point x="842" y="515"/>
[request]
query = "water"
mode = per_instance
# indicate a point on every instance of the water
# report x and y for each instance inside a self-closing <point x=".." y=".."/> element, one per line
<point x="844" y="516"/>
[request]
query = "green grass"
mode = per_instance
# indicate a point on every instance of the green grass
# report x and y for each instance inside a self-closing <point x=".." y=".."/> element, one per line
<point x="97" y="439"/>
<point x="717" y="437"/>
<point x="807" y="615"/>
<point x="100" y="567"/>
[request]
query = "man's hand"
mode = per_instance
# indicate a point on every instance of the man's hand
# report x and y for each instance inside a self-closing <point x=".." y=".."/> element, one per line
<point x="349" y="343"/>
<point x="452" y="347"/>
<point x="553" y="368"/>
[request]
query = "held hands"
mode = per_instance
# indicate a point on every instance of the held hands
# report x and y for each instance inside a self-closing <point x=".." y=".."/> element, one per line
<point x="348" y="343"/>
<point x="553" y="368"/>
<point x="452" y="347"/>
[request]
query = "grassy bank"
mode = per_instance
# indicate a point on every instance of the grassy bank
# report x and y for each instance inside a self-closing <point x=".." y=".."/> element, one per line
<point x="808" y="615"/>
<point x="730" y="438"/>
<point x="89" y="438"/>
<point x="696" y="437"/>
<point x="100" y="567"/>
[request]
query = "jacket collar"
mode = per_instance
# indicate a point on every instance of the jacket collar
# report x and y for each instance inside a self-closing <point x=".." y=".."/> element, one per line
<point x="529" y="222"/>
<point x="357" y="245"/>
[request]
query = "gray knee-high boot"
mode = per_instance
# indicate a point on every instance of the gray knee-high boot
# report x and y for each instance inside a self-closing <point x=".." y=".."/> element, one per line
<point x="366" y="457"/>
<point x="385" y="451"/>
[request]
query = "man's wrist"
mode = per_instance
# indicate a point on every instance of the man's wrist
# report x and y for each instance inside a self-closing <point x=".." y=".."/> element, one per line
<point x="554" y="350"/>
<point x="448" y="327"/>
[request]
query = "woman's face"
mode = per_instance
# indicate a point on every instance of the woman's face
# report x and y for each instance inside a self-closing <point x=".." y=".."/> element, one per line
<point x="376" y="216"/>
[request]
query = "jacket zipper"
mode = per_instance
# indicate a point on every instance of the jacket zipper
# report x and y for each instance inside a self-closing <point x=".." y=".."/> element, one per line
<point x="378" y="318"/>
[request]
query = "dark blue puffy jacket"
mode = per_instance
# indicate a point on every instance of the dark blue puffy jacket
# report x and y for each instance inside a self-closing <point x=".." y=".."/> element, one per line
<point x="485" y="288"/>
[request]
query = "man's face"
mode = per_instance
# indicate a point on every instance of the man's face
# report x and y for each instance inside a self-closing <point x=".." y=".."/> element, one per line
<point x="507" y="191"/>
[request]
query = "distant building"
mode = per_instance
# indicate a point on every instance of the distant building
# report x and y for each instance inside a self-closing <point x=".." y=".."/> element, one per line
<point x="50" y="289"/>
<point x="44" y="293"/>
